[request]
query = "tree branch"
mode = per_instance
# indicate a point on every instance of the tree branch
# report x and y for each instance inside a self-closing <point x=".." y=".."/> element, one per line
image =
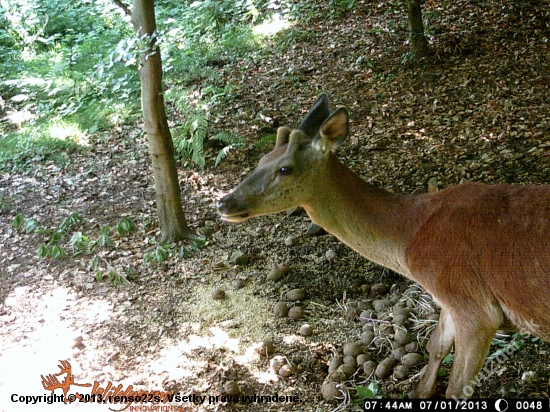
<point x="123" y="7"/>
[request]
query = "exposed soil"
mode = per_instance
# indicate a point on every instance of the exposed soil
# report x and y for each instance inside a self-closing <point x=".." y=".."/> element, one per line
<point x="478" y="108"/>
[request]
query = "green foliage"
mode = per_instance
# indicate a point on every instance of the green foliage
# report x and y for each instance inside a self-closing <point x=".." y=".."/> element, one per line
<point x="267" y="140"/>
<point x="189" y="139"/>
<point x="161" y="253"/>
<point x="165" y="251"/>
<point x="340" y="8"/>
<point x="231" y="141"/>
<point x="53" y="56"/>
<point x="369" y="392"/>
<point x="79" y="242"/>
<point x="69" y="70"/>
<point x="18" y="220"/>
<point x="125" y="226"/>
<point x="115" y="278"/>
<point x="104" y="239"/>
<point x="20" y="151"/>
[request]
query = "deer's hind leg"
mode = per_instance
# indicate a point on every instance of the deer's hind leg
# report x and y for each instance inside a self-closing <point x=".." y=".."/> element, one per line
<point x="439" y="346"/>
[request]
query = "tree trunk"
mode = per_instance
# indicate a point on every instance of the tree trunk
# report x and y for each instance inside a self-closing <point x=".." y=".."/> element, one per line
<point x="173" y="225"/>
<point x="419" y="45"/>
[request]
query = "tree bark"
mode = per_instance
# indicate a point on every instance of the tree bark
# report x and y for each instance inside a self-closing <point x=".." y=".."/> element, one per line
<point x="419" y="44"/>
<point x="173" y="225"/>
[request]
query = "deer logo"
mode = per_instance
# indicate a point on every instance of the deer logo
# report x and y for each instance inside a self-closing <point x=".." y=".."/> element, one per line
<point x="51" y="382"/>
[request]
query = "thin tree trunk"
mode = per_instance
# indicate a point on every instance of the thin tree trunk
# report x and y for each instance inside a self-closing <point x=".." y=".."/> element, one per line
<point x="419" y="45"/>
<point x="172" y="221"/>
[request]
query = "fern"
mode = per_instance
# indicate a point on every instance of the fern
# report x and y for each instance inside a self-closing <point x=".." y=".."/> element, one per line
<point x="231" y="140"/>
<point x="189" y="139"/>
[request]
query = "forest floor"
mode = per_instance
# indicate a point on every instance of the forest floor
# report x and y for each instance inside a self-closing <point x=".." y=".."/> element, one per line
<point x="476" y="109"/>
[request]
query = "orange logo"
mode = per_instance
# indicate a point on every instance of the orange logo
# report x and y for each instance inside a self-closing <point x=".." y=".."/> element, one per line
<point x="51" y="382"/>
<point x="110" y="394"/>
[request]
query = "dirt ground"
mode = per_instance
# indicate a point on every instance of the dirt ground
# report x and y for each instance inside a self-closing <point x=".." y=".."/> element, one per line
<point x="478" y="108"/>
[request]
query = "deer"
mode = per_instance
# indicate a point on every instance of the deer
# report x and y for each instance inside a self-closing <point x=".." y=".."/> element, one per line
<point x="481" y="250"/>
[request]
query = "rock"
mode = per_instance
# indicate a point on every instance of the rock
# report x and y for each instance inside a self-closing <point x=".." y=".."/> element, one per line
<point x="401" y="371"/>
<point x="330" y="391"/>
<point x="369" y="367"/>
<point x="380" y="305"/>
<point x="353" y="348"/>
<point x="315" y="230"/>
<point x="294" y="211"/>
<point x="285" y="371"/>
<point x="237" y="284"/>
<point x="412" y="359"/>
<point x="218" y="294"/>
<point x="277" y="362"/>
<point x="347" y="369"/>
<point x="385" y="368"/>
<point x="362" y="358"/>
<point x="280" y="309"/>
<point x="296" y="294"/>
<point x="231" y="388"/>
<point x="278" y="272"/>
<point x="290" y="241"/>
<point x="296" y="312"/>
<point x="380" y="289"/>
<point x="350" y="360"/>
<point x="367" y="337"/>
<point x="330" y="255"/>
<point x="238" y="258"/>
<point x="402" y="337"/>
<point x="335" y="362"/>
<point x="305" y="330"/>
<point x="412" y="346"/>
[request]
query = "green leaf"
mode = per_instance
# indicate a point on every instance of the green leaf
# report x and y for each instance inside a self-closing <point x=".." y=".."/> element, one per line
<point x="369" y="392"/>
<point x="56" y="238"/>
<point x="104" y="239"/>
<point x="18" y="220"/>
<point x="79" y="243"/>
<point x="31" y="225"/>
<point x="125" y="226"/>
<point x="57" y="252"/>
<point x="94" y="263"/>
<point x="183" y="252"/>
<point x="42" y="251"/>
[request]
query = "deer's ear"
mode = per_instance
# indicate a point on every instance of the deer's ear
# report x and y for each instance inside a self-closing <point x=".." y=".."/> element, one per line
<point x="318" y="113"/>
<point x="283" y="134"/>
<point x="333" y="131"/>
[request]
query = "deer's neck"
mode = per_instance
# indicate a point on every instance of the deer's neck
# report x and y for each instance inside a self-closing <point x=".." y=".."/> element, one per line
<point x="375" y="223"/>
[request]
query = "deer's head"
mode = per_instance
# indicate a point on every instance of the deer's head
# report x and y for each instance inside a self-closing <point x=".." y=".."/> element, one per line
<point x="293" y="171"/>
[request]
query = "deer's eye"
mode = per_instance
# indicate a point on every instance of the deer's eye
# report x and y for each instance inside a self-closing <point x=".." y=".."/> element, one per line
<point x="285" y="170"/>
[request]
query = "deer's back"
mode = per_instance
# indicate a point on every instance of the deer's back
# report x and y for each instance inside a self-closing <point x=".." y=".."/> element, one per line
<point x="484" y="246"/>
